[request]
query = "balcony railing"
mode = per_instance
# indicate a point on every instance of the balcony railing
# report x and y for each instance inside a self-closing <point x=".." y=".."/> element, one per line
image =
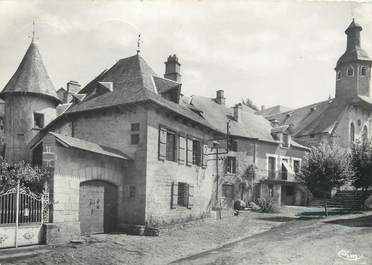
<point x="280" y="175"/>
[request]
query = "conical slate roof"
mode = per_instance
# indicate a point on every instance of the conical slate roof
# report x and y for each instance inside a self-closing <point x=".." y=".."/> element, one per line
<point x="31" y="76"/>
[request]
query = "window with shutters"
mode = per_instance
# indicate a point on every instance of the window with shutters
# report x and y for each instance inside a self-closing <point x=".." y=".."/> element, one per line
<point x="171" y="146"/>
<point x="231" y="164"/>
<point x="182" y="149"/>
<point x="183" y="194"/>
<point x="196" y="153"/>
<point x="167" y="144"/>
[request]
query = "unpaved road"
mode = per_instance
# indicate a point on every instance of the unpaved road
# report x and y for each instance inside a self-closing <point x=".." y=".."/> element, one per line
<point x="270" y="239"/>
<point x="345" y="241"/>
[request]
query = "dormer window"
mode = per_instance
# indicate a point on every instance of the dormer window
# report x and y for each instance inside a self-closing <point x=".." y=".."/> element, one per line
<point x="350" y="71"/>
<point x="363" y="71"/>
<point x="339" y="75"/>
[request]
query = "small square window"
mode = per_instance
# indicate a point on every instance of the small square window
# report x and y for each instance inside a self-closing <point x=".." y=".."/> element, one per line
<point x="38" y="120"/>
<point x="134" y="127"/>
<point x="134" y="139"/>
<point x="132" y="191"/>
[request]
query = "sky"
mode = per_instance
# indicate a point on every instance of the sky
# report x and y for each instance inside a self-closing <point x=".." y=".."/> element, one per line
<point x="273" y="52"/>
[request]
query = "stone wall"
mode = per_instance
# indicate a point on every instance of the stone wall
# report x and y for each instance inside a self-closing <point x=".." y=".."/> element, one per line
<point x="19" y="123"/>
<point x="352" y="114"/>
<point x="68" y="168"/>
<point x="161" y="174"/>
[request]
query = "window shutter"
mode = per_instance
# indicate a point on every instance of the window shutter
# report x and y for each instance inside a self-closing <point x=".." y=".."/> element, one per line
<point x="162" y="143"/>
<point x="174" y="195"/>
<point x="189" y="152"/>
<point x="205" y="156"/>
<point x="182" y="150"/>
<point x="190" y="202"/>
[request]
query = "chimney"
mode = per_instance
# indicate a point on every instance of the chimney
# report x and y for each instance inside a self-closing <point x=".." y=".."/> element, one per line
<point x="73" y="87"/>
<point x="173" y="68"/>
<point x="238" y="112"/>
<point x="220" y="99"/>
<point x="262" y="107"/>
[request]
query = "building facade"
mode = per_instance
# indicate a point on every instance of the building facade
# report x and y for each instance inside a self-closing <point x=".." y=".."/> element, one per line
<point x="129" y="150"/>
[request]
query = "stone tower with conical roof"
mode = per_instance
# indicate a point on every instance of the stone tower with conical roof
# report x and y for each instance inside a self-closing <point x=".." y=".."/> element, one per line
<point x="30" y="103"/>
<point x="353" y="69"/>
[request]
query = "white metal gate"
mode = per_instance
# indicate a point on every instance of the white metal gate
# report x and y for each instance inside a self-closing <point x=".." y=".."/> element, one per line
<point x="22" y="213"/>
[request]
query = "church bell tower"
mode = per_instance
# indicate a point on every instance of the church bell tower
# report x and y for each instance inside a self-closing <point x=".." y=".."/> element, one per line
<point x="353" y="69"/>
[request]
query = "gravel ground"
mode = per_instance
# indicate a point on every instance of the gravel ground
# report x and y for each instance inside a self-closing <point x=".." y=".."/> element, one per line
<point x="259" y="239"/>
<point x="336" y="241"/>
<point x="176" y="243"/>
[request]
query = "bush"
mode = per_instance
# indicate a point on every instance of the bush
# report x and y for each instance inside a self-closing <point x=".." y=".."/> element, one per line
<point x="267" y="206"/>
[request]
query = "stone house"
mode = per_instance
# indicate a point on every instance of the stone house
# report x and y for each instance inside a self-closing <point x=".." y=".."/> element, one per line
<point x="129" y="150"/>
<point x="345" y="118"/>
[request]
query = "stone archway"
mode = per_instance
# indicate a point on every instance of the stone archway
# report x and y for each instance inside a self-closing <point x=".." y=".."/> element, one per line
<point x="98" y="207"/>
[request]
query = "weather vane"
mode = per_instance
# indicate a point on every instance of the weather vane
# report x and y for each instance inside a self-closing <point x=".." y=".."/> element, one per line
<point x="139" y="41"/>
<point x="33" y="33"/>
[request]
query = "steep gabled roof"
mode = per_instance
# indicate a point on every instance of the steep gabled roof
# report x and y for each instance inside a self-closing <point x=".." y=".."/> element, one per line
<point x="316" y="118"/>
<point x="131" y="73"/>
<point x="31" y="76"/>
<point x="133" y="81"/>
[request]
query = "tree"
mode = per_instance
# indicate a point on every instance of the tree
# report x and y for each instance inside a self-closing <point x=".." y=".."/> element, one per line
<point x="248" y="102"/>
<point x="361" y="162"/>
<point x="29" y="177"/>
<point x="325" y="167"/>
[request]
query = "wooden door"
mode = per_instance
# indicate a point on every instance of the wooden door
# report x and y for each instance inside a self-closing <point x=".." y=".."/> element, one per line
<point x="91" y="209"/>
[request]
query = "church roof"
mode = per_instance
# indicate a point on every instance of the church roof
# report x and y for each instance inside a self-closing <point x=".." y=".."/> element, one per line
<point x="317" y="118"/>
<point x="356" y="54"/>
<point x="31" y="76"/>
